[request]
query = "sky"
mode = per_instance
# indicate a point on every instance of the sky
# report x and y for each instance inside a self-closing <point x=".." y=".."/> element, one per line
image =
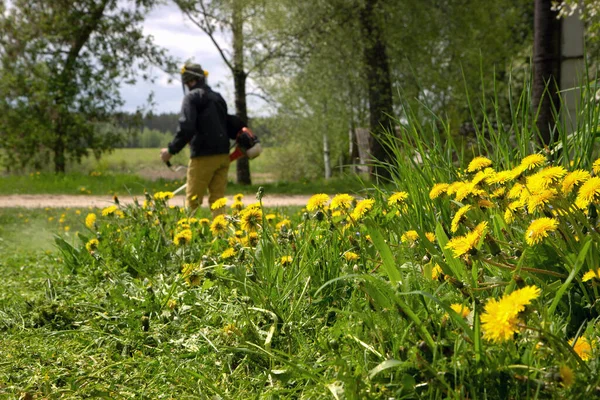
<point x="183" y="40"/>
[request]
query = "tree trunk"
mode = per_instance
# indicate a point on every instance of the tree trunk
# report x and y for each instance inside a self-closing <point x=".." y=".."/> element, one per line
<point x="239" y="81"/>
<point x="326" y="153"/>
<point x="59" y="154"/>
<point x="379" y="87"/>
<point x="59" y="147"/>
<point x="546" y="69"/>
<point x="326" y="157"/>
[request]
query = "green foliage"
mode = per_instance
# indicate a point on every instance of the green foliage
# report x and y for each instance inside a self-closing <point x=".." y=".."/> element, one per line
<point x="438" y="53"/>
<point x="62" y="64"/>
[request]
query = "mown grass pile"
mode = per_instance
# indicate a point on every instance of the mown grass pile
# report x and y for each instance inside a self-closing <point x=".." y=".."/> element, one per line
<point x="494" y="295"/>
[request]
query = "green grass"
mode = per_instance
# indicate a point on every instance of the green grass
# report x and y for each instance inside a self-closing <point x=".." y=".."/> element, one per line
<point x="135" y="171"/>
<point x="32" y="230"/>
<point x="108" y="184"/>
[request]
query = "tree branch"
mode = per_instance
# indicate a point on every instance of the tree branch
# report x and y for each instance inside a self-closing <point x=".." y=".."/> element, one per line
<point x="206" y="29"/>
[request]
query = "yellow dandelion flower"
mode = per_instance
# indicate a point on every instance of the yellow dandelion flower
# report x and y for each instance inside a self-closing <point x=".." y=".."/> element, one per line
<point x="218" y="204"/>
<point x="163" y="196"/>
<point x="409" y="237"/>
<point x="545" y="178"/>
<point x="250" y="219"/>
<point x="430" y="236"/>
<point x="536" y="202"/>
<point x="480" y="229"/>
<point x="90" y="220"/>
<point x="533" y="161"/>
<point x="204" y="221"/>
<point x="509" y="216"/>
<point x="573" y="179"/>
<point x="502" y="177"/>
<point x="468" y="189"/>
<point x="397" y="199"/>
<point x="184" y="221"/>
<point x="237" y="206"/>
<point x="183" y="237"/>
<point x="231" y="329"/>
<point x="436" y="272"/>
<point x="539" y="229"/>
<point x="485" y="203"/>
<point x="478" y="163"/>
<point x="583" y="347"/>
<point x="342" y="201"/>
<point x="591" y="274"/>
<point x="238" y="197"/>
<point x="588" y="193"/>
<point x="596" y="167"/>
<point x="482" y="176"/>
<point x="362" y="208"/>
<point x="286" y="260"/>
<point x="454" y="187"/>
<point x="479" y="177"/>
<point x="284" y="223"/>
<point x="219" y="225"/>
<point x="437" y="190"/>
<point x="317" y="202"/>
<point x="350" y="256"/>
<point x="499" y="320"/>
<point x="253" y="205"/>
<point x="522" y="297"/>
<point x="462" y="245"/>
<point x="270" y="217"/>
<point x="192" y="274"/>
<point x="516" y="191"/>
<point x="110" y="210"/>
<point x="252" y="239"/>
<point x="460" y="309"/>
<point x="92" y="245"/>
<point x="228" y="253"/>
<point x="567" y="376"/>
<point x="458" y="217"/>
<point x="518" y="170"/>
<point x="498" y="193"/>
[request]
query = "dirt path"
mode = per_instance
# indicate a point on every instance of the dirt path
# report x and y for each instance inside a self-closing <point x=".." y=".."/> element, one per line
<point x="52" y="200"/>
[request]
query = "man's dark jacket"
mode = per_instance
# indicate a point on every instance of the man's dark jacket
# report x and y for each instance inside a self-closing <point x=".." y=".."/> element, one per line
<point x="202" y="123"/>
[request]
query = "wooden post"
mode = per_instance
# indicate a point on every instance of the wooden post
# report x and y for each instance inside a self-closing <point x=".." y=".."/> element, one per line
<point x="572" y="69"/>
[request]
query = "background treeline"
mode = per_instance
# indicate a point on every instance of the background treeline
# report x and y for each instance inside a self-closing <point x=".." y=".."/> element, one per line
<point x="157" y="130"/>
<point x="327" y="68"/>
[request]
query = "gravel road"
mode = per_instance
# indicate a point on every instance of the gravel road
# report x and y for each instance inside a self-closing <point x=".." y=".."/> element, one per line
<point x="80" y="201"/>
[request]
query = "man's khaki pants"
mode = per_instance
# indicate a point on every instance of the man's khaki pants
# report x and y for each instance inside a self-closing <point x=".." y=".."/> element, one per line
<point x="206" y="172"/>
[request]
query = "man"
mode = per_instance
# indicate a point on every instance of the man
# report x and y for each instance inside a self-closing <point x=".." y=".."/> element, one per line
<point x="202" y="124"/>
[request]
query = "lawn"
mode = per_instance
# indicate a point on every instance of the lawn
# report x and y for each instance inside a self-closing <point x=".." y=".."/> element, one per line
<point x="134" y="171"/>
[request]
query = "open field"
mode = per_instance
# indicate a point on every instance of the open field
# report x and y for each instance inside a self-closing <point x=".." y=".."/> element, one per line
<point x="134" y="171"/>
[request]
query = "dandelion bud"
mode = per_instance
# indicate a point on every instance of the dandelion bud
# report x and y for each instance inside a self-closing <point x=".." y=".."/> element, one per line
<point x="260" y="193"/>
